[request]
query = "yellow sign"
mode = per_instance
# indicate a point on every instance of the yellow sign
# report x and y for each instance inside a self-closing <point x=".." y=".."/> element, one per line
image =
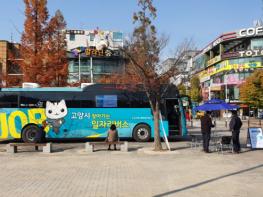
<point x="94" y="52"/>
<point x="215" y="88"/>
<point x="214" y="60"/>
<point x="225" y="66"/>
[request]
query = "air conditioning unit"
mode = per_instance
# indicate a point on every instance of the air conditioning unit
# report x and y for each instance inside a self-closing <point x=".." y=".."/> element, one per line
<point x="30" y="85"/>
<point x="83" y="85"/>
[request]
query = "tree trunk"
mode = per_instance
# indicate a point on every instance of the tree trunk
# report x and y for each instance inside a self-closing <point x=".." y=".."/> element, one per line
<point x="157" y="140"/>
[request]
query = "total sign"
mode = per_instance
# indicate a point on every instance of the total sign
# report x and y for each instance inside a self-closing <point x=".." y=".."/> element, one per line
<point x="252" y="31"/>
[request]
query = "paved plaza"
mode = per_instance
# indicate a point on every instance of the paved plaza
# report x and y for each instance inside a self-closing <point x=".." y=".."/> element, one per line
<point x="184" y="171"/>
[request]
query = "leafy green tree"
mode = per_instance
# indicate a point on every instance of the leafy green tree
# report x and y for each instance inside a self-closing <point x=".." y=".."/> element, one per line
<point x="182" y="89"/>
<point x="195" y="90"/>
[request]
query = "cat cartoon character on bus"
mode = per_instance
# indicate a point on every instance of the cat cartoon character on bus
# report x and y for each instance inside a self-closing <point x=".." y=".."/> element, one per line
<point x="55" y="113"/>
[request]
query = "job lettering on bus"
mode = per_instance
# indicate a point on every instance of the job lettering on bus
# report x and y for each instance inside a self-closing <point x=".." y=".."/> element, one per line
<point x="11" y="124"/>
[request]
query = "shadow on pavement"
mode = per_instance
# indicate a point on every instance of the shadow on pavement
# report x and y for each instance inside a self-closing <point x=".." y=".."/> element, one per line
<point x="208" y="181"/>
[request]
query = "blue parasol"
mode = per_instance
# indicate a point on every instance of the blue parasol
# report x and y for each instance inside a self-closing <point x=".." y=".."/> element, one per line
<point x="215" y="104"/>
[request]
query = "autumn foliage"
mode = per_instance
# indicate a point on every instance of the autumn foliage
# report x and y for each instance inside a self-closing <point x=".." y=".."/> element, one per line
<point x="43" y="46"/>
<point x="143" y="52"/>
<point x="251" y="91"/>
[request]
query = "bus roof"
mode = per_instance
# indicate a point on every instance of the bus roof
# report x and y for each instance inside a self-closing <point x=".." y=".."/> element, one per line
<point x="171" y="90"/>
<point x="45" y="89"/>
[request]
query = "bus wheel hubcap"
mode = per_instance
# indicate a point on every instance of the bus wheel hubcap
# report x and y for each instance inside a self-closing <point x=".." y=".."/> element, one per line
<point x="31" y="134"/>
<point x="142" y="133"/>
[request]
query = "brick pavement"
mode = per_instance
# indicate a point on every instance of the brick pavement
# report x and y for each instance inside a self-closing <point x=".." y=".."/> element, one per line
<point x="185" y="172"/>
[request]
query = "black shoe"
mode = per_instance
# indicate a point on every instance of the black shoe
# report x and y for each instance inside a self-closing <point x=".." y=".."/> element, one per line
<point x="109" y="149"/>
<point x="115" y="148"/>
<point x="207" y="151"/>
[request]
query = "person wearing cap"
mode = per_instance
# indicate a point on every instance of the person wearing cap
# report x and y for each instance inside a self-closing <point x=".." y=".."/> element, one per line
<point x="206" y="125"/>
<point x="234" y="125"/>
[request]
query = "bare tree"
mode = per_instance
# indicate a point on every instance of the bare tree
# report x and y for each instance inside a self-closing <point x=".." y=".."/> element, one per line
<point x="143" y="52"/>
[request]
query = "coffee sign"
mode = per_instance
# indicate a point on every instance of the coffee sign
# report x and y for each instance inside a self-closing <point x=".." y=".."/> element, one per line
<point x="252" y="31"/>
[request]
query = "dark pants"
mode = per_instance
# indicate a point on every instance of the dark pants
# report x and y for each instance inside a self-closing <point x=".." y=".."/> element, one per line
<point x="206" y="138"/>
<point x="114" y="147"/>
<point x="235" y="139"/>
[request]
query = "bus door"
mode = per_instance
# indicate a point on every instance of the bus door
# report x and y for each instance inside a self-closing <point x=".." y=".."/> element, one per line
<point x="173" y="116"/>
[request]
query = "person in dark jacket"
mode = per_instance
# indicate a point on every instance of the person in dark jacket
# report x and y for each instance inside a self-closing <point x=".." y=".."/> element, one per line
<point x="206" y="125"/>
<point x="234" y="126"/>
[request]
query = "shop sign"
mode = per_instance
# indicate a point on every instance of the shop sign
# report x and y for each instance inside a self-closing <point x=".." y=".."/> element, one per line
<point x="214" y="60"/>
<point x="249" y="53"/>
<point x="231" y="79"/>
<point x="92" y="52"/>
<point x="230" y="55"/>
<point x="252" y="31"/>
<point x="217" y="41"/>
<point x="204" y="77"/>
<point x="215" y="88"/>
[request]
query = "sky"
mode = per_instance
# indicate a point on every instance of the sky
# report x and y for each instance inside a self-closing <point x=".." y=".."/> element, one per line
<point x="199" y="20"/>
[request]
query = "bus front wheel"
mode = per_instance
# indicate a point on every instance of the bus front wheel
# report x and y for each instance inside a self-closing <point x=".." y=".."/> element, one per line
<point x="142" y="133"/>
<point x="31" y="133"/>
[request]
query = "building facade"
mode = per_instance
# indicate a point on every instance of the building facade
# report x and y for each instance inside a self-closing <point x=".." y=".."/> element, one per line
<point x="93" y="54"/>
<point x="183" y="68"/>
<point x="10" y="72"/>
<point x="226" y="62"/>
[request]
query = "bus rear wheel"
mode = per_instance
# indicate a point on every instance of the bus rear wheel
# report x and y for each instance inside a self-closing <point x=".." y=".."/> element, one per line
<point x="142" y="133"/>
<point x="31" y="134"/>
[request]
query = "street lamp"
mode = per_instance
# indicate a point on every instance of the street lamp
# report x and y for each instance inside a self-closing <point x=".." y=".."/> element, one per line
<point x="79" y="68"/>
<point x="91" y="70"/>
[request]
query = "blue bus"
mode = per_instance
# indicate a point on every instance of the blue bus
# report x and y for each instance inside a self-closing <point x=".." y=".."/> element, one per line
<point x="32" y="114"/>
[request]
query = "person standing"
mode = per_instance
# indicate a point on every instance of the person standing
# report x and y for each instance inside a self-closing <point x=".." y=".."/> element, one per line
<point x="234" y="126"/>
<point x="206" y="125"/>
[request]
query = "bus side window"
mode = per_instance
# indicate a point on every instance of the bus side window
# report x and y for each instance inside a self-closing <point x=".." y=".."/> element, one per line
<point x="8" y="100"/>
<point x="29" y="100"/>
<point x="106" y="101"/>
<point x="87" y="104"/>
<point x="123" y="100"/>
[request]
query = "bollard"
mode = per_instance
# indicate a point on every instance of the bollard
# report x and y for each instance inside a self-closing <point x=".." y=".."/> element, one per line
<point x="124" y="147"/>
<point x="88" y="147"/>
<point x="11" y="149"/>
<point x="47" y="148"/>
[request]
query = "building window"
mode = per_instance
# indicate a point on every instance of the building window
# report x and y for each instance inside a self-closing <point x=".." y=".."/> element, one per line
<point x="91" y="37"/>
<point x="257" y="43"/>
<point x="72" y="37"/>
<point x="117" y="36"/>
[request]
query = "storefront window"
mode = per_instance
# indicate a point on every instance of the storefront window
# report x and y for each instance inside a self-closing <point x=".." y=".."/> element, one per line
<point x="72" y="37"/>
<point x="233" y="92"/>
<point x="245" y="60"/>
<point x="257" y="43"/>
<point x="200" y="62"/>
<point x="206" y="84"/>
